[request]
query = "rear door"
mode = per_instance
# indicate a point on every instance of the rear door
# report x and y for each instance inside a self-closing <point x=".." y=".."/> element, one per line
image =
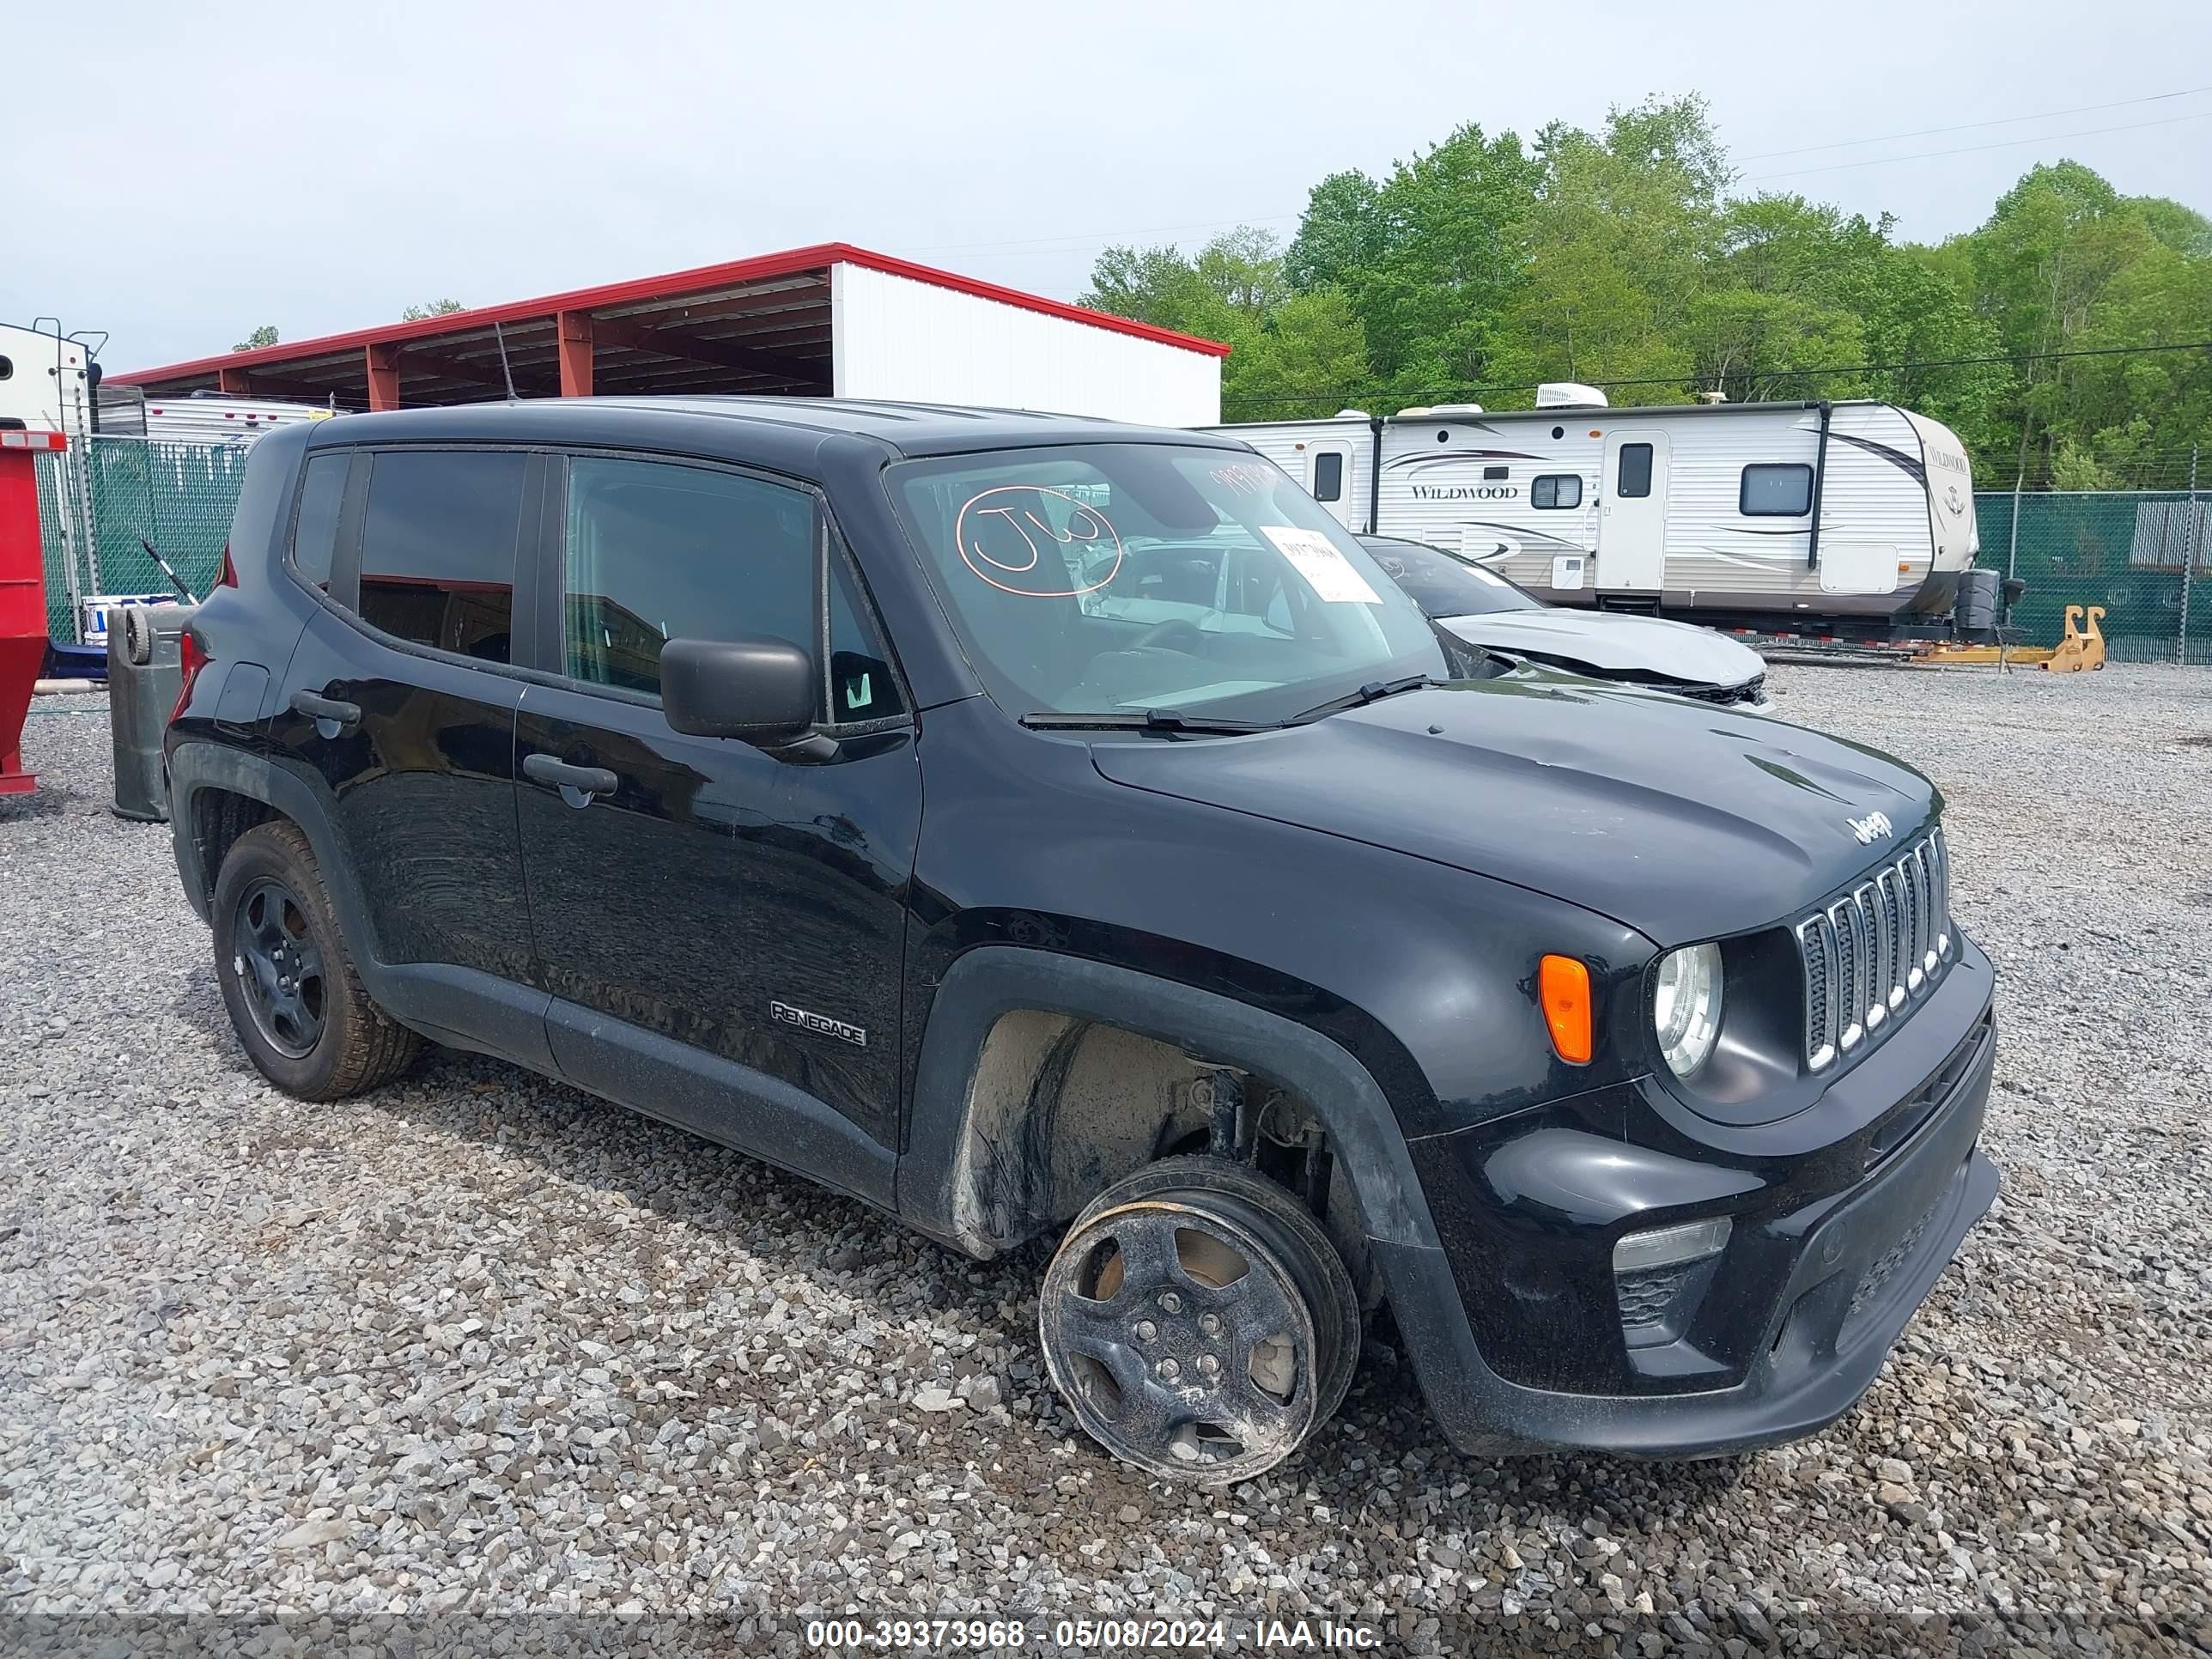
<point x="1631" y="529"/>
<point x="722" y="928"/>
<point x="401" y="697"/>
<point x="1328" y="478"/>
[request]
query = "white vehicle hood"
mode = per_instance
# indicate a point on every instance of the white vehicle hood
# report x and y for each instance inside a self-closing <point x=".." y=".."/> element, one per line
<point x="1614" y="643"/>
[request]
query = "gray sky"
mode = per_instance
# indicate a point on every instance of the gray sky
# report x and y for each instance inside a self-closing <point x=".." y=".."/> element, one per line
<point x="185" y="172"/>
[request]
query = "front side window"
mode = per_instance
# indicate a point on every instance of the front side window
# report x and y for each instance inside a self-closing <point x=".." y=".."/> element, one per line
<point x="438" y="547"/>
<point x="1776" y="490"/>
<point x="315" y="532"/>
<point x="1557" y="490"/>
<point x="656" y="550"/>
<point x="1635" y="471"/>
<point x="1120" y="578"/>
<point x="861" y="687"/>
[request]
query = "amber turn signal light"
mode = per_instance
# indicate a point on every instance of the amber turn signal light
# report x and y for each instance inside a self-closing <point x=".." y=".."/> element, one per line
<point x="1563" y="986"/>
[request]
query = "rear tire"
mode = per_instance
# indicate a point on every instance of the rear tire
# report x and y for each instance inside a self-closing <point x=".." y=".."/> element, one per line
<point x="1198" y="1321"/>
<point x="288" y="981"/>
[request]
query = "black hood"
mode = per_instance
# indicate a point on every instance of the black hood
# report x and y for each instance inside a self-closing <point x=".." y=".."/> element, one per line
<point x="1684" y="822"/>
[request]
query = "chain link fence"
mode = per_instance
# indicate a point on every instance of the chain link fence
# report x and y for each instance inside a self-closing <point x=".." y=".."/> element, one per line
<point x="2145" y="556"/>
<point x="2142" y="554"/>
<point x="101" y="499"/>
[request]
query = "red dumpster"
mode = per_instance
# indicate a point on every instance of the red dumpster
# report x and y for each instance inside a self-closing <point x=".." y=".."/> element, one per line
<point x="22" y="596"/>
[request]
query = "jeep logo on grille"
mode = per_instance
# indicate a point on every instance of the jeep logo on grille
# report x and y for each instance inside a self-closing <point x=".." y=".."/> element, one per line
<point x="821" y="1025"/>
<point x="1873" y="827"/>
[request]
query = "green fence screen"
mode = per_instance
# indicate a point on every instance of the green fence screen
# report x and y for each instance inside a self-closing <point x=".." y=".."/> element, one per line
<point x="100" y="501"/>
<point x="2143" y="556"/>
<point x="2126" y="550"/>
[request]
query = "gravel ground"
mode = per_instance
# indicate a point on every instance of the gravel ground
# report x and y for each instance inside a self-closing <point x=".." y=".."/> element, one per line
<point x="481" y="1347"/>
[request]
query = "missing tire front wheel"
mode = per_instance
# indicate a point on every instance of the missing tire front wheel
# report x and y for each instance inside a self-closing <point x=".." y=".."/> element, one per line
<point x="1199" y="1333"/>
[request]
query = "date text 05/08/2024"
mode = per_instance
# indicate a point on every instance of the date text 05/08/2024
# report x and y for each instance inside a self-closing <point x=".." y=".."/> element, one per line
<point x="1092" y="1635"/>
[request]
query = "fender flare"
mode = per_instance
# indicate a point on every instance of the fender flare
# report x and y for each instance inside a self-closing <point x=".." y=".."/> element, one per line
<point x="194" y="765"/>
<point x="989" y="982"/>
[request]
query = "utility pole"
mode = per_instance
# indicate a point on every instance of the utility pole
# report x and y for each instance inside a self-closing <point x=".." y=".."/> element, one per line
<point x="2012" y="554"/>
<point x="2188" y="561"/>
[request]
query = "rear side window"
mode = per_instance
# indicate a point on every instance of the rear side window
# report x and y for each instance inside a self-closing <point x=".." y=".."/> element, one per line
<point x="315" y="531"/>
<point x="1328" y="476"/>
<point x="658" y="551"/>
<point x="437" y="549"/>
<point x="1635" y="469"/>
<point x="1555" y="490"/>
<point x="1776" y="490"/>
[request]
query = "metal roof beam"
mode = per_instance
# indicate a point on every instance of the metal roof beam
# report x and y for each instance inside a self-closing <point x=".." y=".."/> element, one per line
<point x="665" y="342"/>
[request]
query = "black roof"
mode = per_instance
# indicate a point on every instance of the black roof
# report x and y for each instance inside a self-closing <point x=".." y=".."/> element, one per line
<point x="709" y="423"/>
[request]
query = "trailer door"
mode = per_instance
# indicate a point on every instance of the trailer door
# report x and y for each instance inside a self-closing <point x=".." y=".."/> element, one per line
<point x="1328" y="478"/>
<point x="1631" y="527"/>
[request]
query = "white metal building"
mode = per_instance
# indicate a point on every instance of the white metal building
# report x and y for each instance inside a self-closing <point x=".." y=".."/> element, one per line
<point x="829" y="320"/>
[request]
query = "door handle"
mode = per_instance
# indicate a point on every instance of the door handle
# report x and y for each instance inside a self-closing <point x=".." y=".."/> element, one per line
<point x="577" y="784"/>
<point x="331" y="716"/>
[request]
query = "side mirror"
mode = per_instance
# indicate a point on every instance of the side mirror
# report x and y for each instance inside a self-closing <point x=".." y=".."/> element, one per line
<point x="762" y="691"/>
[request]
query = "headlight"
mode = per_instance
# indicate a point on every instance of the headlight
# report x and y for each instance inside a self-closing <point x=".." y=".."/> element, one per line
<point x="1686" y="1010"/>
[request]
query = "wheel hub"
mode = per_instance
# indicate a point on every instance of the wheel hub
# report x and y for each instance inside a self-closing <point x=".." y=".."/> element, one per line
<point x="278" y="968"/>
<point x="1179" y="1338"/>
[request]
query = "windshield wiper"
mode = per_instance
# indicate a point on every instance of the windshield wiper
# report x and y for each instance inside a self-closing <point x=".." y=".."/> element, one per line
<point x="1373" y="691"/>
<point x="1152" y="720"/>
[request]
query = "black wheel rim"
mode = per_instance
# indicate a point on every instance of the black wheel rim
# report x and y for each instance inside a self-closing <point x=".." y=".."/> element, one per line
<point x="279" y="968"/>
<point x="1167" y="1359"/>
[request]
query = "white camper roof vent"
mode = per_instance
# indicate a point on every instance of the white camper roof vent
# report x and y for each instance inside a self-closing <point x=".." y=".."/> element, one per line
<point x="1568" y="394"/>
<point x="1454" y="409"/>
<point x="1412" y="410"/>
<point x="1351" y="415"/>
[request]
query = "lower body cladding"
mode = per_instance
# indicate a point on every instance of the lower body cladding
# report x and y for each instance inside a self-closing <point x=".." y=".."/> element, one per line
<point x="1616" y="1275"/>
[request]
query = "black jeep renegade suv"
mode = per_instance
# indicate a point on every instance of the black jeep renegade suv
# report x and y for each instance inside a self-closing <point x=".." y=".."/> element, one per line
<point x="1038" y="826"/>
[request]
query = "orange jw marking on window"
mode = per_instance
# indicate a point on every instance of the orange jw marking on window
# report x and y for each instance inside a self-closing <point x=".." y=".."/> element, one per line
<point x="996" y="541"/>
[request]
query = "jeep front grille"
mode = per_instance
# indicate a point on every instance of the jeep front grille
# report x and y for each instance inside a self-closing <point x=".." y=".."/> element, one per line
<point x="1868" y="953"/>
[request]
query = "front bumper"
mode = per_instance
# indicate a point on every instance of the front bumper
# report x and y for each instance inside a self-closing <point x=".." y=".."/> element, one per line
<point x="1519" y="1339"/>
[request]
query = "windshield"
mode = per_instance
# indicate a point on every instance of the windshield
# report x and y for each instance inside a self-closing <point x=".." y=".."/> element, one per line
<point x="1443" y="584"/>
<point x="1127" y="578"/>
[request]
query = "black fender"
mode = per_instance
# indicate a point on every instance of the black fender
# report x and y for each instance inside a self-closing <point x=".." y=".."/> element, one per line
<point x="984" y="984"/>
<point x="458" y="1007"/>
<point x="989" y="982"/>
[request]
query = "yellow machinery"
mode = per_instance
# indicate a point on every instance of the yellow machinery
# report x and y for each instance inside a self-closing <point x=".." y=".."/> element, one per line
<point x="2077" y="649"/>
<point x="2080" y="650"/>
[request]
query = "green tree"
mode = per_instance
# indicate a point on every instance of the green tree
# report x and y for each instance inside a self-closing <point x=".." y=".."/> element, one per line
<point x="435" y="308"/>
<point x="264" y="336"/>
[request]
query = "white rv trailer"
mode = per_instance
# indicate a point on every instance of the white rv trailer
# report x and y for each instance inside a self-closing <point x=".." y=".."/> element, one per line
<point x="1753" y="513"/>
<point x="45" y="381"/>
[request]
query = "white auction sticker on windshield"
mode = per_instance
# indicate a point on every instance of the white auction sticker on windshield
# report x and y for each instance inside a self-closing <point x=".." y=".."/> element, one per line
<point x="1333" y="578"/>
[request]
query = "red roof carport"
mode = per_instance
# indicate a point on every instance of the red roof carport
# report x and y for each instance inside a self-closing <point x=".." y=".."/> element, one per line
<point x="759" y="325"/>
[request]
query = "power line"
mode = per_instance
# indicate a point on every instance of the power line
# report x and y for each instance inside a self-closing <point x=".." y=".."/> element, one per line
<point x="1968" y="126"/>
<point x="1084" y="241"/>
<point x="1969" y="149"/>
<point x="1090" y="239"/>
<point x="1340" y="392"/>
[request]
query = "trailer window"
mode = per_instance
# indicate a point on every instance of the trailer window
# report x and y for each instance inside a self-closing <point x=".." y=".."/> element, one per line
<point x="1556" y="489"/>
<point x="1776" y="490"/>
<point x="1635" y="469"/>
<point x="1328" y="475"/>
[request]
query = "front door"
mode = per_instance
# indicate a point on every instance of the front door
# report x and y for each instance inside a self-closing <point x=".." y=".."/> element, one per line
<point x="722" y="928"/>
<point x="1328" y="478"/>
<point x="1631" y="527"/>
